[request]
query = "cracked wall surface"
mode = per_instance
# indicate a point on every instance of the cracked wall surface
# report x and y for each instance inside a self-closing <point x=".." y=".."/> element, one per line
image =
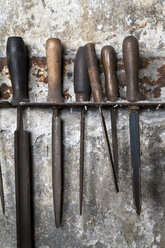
<point x="109" y="220"/>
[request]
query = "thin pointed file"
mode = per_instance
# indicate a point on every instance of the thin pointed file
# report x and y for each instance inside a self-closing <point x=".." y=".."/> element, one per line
<point x="135" y="157"/>
<point x="97" y="93"/>
<point x="2" y="191"/>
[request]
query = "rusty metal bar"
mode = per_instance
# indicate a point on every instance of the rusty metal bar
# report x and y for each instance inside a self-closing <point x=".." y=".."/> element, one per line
<point x="93" y="104"/>
<point x="145" y="104"/>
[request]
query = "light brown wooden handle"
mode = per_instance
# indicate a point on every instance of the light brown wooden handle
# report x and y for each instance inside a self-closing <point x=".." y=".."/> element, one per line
<point x="108" y="56"/>
<point x="53" y="58"/>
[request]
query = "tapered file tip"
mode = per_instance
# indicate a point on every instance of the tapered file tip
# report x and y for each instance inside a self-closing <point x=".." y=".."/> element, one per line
<point x="57" y="224"/>
<point x="138" y="211"/>
<point x="57" y="221"/>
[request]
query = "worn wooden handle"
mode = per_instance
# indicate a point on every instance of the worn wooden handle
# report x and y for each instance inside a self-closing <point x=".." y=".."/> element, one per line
<point x="17" y="64"/>
<point x="131" y="64"/>
<point x="82" y="86"/>
<point x="53" y="57"/>
<point x="93" y="71"/>
<point x="108" y="56"/>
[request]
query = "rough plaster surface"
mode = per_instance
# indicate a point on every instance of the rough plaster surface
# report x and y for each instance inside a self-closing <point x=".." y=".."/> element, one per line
<point x="109" y="219"/>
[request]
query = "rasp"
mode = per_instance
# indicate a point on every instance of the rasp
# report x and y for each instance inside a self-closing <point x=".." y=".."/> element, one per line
<point x="2" y="191"/>
<point x="97" y="93"/>
<point x="131" y="64"/>
<point x="54" y="58"/>
<point x="82" y="90"/>
<point x="108" y="56"/>
<point x="17" y="64"/>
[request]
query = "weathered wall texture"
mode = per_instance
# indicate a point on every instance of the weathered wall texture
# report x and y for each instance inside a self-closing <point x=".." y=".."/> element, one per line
<point x="109" y="219"/>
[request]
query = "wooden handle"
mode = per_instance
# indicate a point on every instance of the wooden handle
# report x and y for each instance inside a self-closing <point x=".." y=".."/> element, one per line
<point x="131" y="64"/>
<point x="93" y="71"/>
<point x="108" y="56"/>
<point x="53" y="57"/>
<point x="17" y="64"/>
<point x="82" y="86"/>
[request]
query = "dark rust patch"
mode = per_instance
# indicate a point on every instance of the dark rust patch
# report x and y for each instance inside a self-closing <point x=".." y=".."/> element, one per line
<point x="143" y="63"/>
<point x="161" y="76"/>
<point x="45" y="80"/>
<point x="147" y="81"/>
<point x="3" y="63"/>
<point x="157" y="92"/>
<point x="40" y="62"/>
<point x="68" y="61"/>
<point x="5" y="91"/>
<point x="148" y="93"/>
<point x="41" y="76"/>
<point x="66" y="94"/>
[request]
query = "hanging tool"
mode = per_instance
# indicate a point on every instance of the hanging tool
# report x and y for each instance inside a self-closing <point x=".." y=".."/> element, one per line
<point x="2" y="192"/>
<point x="108" y="56"/>
<point x="82" y="90"/>
<point x="131" y="64"/>
<point x="17" y="64"/>
<point x="97" y="93"/>
<point x="54" y="58"/>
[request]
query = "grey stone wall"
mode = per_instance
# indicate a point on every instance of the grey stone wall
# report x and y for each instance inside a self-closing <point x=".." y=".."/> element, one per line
<point x="109" y="219"/>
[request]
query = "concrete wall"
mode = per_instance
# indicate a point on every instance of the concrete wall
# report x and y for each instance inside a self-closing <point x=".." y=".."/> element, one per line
<point x="109" y="219"/>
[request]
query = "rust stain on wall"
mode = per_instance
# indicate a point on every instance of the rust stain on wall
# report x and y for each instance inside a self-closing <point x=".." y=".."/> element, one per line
<point x="3" y="63"/>
<point x="40" y="62"/>
<point x="40" y="75"/>
<point x="161" y="76"/>
<point x="66" y="94"/>
<point x="66" y="62"/>
<point x="149" y="87"/>
<point x="5" y="91"/>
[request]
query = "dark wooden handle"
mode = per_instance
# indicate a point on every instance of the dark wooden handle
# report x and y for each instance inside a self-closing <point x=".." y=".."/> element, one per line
<point x="93" y="71"/>
<point x="82" y="86"/>
<point x="131" y="64"/>
<point x="17" y="64"/>
<point x="108" y="56"/>
<point x="53" y="58"/>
